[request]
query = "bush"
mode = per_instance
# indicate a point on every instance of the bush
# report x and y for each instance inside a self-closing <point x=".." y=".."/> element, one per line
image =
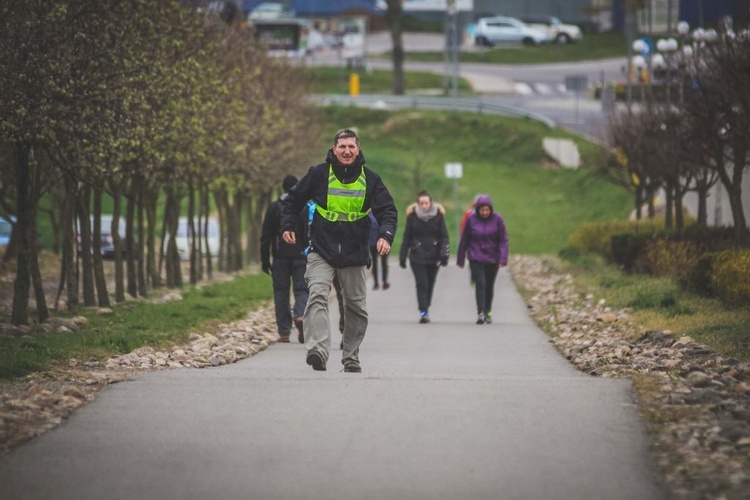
<point x="596" y="237"/>
<point x="730" y="277"/>
<point x="666" y="257"/>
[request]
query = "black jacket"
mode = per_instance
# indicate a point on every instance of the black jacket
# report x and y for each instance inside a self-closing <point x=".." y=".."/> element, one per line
<point x="425" y="241"/>
<point x="271" y="243"/>
<point x="341" y="243"/>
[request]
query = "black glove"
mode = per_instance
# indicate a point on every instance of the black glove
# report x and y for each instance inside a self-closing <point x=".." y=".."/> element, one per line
<point x="402" y="264"/>
<point x="266" y="267"/>
<point x="444" y="261"/>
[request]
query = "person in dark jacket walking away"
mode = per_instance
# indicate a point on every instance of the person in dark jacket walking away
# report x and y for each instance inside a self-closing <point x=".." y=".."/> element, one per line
<point x="288" y="265"/>
<point x="344" y="191"/>
<point x="383" y="265"/>
<point x="485" y="242"/>
<point x="427" y="245"/>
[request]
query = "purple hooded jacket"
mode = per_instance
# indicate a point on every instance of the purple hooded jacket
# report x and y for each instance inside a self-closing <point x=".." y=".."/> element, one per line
<point x="484" y="240"/>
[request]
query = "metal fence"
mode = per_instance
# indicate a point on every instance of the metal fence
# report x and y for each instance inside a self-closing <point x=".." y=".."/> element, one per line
<point x="468" y="104"/>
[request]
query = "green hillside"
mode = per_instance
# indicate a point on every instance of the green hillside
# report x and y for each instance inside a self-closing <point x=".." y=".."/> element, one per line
<point x="502" y="157"/>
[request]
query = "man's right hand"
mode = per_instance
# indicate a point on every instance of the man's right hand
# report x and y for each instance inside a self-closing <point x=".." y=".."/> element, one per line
<point x="289" y="237"/>
<point x="266" y="267"/>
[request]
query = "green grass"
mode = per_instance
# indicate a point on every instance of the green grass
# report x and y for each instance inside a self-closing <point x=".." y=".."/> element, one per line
<point x="135" y="325"/>
<point x="660" y="304"/>
<point x="336" y="81"/>
<point x="501" y="156"/>
<point x="593" y="46"/>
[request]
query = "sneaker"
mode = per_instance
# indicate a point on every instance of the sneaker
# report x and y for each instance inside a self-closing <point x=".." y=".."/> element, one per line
<point x="386" y="286"/>
<point x="376" y="287"/>
<point x="424" y="317"/>
<point x="316" y="360"/>
<point x="481" y="319"/>
<point x="284" y="338"/>
<point x="352" y="367"/>
<point x="298" y="324"/>
<point x="488" y="318"/>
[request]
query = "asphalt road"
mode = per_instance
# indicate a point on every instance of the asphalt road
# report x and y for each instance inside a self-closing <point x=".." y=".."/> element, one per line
<point x="445" y="410"/>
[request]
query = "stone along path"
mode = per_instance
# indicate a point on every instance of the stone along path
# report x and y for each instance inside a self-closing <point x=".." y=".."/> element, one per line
<point x="445" y="410"/>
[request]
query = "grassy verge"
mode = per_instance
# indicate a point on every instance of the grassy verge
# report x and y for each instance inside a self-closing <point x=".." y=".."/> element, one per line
<point x="135" y="325"/>
<point x="593" y="46"/>
<point x="333" y="80"/>
<point x="501" y="156"/>
<point x="660" y="304"/>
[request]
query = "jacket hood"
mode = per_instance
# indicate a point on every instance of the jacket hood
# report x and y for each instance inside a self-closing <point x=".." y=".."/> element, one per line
<point x="484" y="201"/>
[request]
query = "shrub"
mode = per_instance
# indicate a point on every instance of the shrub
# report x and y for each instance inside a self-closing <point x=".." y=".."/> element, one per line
<point x="730" y="277"/>
<point x="596" y="237"/>
<point x="666" y="257"/>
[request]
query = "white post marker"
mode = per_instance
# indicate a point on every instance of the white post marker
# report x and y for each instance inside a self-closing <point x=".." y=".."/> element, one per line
<point x="455" y="171"/>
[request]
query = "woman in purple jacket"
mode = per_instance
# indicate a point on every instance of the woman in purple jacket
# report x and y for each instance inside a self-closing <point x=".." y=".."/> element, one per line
<point x="485" y="241"/>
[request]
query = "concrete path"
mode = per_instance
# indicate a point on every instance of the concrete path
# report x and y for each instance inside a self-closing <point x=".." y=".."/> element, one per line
<point x="446" y="410"/>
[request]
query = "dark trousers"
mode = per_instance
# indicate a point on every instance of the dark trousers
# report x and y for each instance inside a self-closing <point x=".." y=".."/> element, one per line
<point x="425" y="276"/>
<point x="383" y="264"/>
<point x="286" y="273"/>
<point x="484" y="277"/>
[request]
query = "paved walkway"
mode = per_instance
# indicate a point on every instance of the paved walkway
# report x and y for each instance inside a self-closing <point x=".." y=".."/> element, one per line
<point x="445" y="410"/>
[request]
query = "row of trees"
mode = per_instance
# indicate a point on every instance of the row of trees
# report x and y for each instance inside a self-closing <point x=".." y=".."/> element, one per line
<point x="696" y="134"/>
<point x="155" y="104"/>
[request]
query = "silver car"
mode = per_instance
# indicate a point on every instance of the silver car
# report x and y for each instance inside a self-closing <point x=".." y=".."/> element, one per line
<point x="495" y="30"/>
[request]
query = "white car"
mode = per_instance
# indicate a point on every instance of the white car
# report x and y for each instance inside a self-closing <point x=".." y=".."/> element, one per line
<point x="269" y="10"/>
<point x="557" y="31"/>
<point x="495" y="30"/>
<point x="183" y="238"/>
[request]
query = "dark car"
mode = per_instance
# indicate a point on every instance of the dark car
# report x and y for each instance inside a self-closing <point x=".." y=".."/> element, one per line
<point x="107" y="241"/>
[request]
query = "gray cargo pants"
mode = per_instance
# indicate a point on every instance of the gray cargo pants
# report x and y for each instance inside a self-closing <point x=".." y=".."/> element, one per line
<point x="319" y="275"/>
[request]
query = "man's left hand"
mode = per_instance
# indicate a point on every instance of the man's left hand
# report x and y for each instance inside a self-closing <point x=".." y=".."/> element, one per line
<point x="383" y="246"/>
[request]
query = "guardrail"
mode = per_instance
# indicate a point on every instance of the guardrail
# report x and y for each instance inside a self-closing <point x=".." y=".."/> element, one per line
<point x="470" y="104"/>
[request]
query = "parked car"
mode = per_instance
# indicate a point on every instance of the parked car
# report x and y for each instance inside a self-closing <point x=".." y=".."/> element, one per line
<point x="107" y="241"/>
<point x="6" y="230"/>
<point x="494" y="30"/>
<point x="183" y="237"/>
<point x="556" y="29"/>
<point x="269" y="10"/>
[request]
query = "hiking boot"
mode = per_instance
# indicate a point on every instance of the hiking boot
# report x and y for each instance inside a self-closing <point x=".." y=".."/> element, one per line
<point x="341" y="345"/>
<point x="283" y="338"/>
<point x="386" y="286"/>
<point x="376" y="287"/>
<point x="488" y="318"/>
<point x="481" y="319"/>
<point x="316" y="360"/>
<point x="352" y="367"/>
<point x="298" y="324"/>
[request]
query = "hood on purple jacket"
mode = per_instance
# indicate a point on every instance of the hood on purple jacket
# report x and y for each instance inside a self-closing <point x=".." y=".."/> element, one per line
<point x="484" y="240"/>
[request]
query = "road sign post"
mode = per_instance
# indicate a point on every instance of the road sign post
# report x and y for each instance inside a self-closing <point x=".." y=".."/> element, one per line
<point x="455" y="171"/>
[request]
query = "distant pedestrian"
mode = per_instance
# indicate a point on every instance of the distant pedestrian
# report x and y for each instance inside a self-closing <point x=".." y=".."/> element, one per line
<point x="427" y="246"/>
<point x="382" y="265"/>
<point x="288" y="266"/>
<point x="344" y="191"/>
<point x="485" y="242"/>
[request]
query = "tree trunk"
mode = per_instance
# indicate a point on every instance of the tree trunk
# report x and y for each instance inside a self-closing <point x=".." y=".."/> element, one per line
<point x="151" y="268"/>
<point x="141" y="241"/>
<point x="69" y="242"/>
<point x="668" y="205"/>
<point x="132" y="279"/>
<point x="99" y="279"/>
<point x="703" y="206"/>
<point x="206" y="206"/>
<point x="22" y="283"/>
<point x="172" y="259"/>
<point x="194" y="239"/>
<point x="117" y="243"/>
<point x="394" y="16"/>
<point x="87" y="265"/>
